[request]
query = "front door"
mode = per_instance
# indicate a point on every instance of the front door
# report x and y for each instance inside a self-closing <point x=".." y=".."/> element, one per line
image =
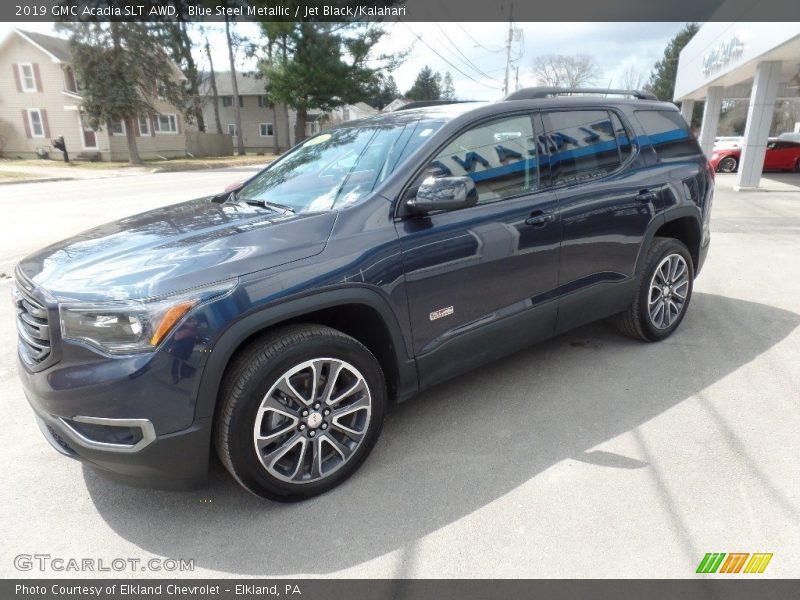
<point x="481" y="280"/>
<point x="88" y="135"/>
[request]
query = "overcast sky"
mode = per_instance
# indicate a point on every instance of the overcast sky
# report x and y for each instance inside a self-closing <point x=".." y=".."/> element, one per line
<point x="474" y="53"/>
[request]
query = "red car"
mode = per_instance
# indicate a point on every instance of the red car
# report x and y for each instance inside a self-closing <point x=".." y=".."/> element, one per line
<point x="782" y="155"/>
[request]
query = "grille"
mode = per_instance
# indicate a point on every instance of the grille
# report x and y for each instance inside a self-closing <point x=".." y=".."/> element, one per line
<point x="32" y="327"/>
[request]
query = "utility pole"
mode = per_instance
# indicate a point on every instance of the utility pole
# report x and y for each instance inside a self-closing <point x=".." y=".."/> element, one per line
<point x="516" y="82"/>
<point x="508" y="46"/>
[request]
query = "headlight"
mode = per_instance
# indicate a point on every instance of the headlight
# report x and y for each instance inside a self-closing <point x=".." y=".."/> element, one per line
<point x="128" y="326"/>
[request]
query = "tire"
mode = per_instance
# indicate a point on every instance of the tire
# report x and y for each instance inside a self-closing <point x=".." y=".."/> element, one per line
<point x="797" y="166"/>
<point x="271" y="416"/>
<point x="643" y="320"/>
<point x="727" y="165"/>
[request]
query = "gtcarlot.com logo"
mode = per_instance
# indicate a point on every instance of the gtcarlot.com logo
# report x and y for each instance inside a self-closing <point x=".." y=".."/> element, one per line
<point x="59" y="564"/>
<point x="734" y="562"/>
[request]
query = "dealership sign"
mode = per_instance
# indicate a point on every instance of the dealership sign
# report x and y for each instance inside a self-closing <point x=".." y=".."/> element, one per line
<point x="723" y="54"/>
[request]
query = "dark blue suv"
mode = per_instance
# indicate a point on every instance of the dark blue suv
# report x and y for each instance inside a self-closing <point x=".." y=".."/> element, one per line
<point x="275" y="322"/>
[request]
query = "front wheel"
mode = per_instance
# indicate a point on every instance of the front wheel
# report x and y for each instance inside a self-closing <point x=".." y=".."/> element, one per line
<point x="664" y="292"/>
<point x="301" y="410"/>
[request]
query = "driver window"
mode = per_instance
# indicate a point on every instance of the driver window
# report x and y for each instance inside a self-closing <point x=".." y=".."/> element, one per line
<point x="500" y="157"/>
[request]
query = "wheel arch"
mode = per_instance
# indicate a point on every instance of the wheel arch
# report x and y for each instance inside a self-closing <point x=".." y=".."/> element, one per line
<point x="681" y="223"/>
<point x="358" y="312"/>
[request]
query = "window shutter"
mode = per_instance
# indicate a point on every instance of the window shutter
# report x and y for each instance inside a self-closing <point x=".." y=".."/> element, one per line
<point x="27" y="123"/>
<point x="178" y="122"/>
<point x="45" y="124"/>
<point x="37" y="77"/>
<point x="15" y="67"/>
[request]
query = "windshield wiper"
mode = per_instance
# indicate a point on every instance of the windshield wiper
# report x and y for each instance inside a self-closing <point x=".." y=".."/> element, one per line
<point x="268" y="204"/>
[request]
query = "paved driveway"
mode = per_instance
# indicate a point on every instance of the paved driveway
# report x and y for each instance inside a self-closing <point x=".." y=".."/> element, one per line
<point x="589" y="455"/>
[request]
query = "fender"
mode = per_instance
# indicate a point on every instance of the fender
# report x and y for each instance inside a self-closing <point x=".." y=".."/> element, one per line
<point x="671" y="214"/>
<point x="275" y="314"/>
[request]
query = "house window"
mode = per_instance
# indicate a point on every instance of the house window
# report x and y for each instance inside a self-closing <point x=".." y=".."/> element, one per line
<point x="166" y="124"/>
<point x="26" y="77"/>
<point x="232" y="129"/>
<point x="70" y="83"/>
<point x="263" y="102"/>
<point x="118" y="127"/>
<point x="266" y="129"/>
<point x="161" y="90"/>
<point x="241" y="101"/>
<point x="144" y="125"/>
<point x="35" y="122"/>
<point x="227" y="101"/>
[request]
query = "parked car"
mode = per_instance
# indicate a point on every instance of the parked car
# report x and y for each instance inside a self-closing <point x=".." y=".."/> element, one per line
<point x="275" y="322"/>
<point x="781" y="155"/>
<point x="731" y="141"/>
<point x="790" y="136"/>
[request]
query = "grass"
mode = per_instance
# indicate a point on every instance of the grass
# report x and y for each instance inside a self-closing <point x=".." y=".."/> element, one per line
<point x="15" y="175"/>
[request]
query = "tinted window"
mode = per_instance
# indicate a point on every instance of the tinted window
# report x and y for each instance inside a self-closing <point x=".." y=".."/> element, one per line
<point x="582" y="145"/>
<point x="624" y="140"/>
<point x="500" y="157"/>
<point x="668" y="133"/>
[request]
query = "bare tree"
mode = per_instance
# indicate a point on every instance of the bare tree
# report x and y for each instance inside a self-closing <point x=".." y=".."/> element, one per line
<point x="236" y="109"/>
<point x="214" y="94"/>
<point x="632" y="78"/>
<point x="562" y="70"/>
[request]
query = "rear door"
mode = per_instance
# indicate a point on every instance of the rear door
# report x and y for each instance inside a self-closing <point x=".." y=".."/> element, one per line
<point x="481" y="280"/>
<point x="605" y="209"/>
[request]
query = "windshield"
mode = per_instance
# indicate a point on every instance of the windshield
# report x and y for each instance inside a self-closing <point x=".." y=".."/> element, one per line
<point x="338" y="167"/>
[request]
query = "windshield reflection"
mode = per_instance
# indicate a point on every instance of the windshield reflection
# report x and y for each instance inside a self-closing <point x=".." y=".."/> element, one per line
<point x="336" y="168"/>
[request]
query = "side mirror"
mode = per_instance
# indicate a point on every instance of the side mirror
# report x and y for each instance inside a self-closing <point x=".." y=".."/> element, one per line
<point x="444" y="193"/>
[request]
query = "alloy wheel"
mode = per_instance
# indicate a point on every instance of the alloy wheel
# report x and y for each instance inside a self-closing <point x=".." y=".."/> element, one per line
<point x="727" y="165"/>
<point x="312" y="420"/>
<point x="669" y="288"/>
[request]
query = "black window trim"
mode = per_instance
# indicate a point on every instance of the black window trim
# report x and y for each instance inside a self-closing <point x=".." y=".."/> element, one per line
<point x="635" y="147"/>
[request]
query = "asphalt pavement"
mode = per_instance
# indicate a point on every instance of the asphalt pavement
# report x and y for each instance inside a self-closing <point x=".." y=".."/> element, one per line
<point x="590" y="455"/>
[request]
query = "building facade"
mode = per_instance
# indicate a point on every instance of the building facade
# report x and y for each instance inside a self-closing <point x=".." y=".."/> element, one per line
<point x="40" y="100"/>
<point x="759" y="62"/>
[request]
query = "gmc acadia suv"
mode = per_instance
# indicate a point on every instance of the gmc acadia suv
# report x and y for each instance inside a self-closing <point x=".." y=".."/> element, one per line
<point x="276" y="321"/>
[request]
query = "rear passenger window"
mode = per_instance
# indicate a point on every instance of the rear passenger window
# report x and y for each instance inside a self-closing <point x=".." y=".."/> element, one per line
<point x="582" y="144"/>
<point x="500" y="157"/>
<point x="668" y="132"/>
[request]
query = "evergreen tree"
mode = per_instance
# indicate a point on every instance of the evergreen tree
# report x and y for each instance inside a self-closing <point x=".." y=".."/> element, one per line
<point x="122" y="67"/>
<point x="662" y="78"/>
<point x="427" y="86"/>
<point x="448" y="90"/>
<point x="324" y="66"/>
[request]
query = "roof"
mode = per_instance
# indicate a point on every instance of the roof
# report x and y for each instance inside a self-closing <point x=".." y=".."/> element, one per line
<point x="248" y="83"/>
<point x="56" y="48"/>
<point x="365" y="107"/>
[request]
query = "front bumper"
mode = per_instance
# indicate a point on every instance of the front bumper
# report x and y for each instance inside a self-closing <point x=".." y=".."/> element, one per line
<point x="176" y="460"/>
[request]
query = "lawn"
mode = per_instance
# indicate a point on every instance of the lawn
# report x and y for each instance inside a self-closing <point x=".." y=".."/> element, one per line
<point x="157" y="165"/>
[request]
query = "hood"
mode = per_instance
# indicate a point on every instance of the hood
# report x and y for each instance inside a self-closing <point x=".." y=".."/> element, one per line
<point x="175" y="248"/>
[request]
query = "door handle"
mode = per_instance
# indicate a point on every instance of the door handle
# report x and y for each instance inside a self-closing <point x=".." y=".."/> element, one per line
<point x="646" y="197"/>
<point x="540" y="219"/>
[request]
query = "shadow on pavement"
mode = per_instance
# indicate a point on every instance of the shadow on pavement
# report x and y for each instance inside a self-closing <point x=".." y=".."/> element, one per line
<point x="456" y="448"/>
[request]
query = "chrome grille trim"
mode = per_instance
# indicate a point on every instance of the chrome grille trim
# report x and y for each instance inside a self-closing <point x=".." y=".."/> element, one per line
<point x="33" y="327"/>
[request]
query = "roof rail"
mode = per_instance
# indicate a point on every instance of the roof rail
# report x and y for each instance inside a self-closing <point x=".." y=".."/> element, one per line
<point x="532" y="93"/>
<point x="424" y="103"/>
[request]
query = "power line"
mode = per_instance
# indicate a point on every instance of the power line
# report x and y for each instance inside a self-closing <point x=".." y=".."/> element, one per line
<point x="432" y="49"/>
<point x="477" y="43"/>
<point x="465" y="60"/>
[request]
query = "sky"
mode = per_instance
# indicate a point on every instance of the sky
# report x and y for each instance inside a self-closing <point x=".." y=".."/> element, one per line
<point x="475" y="54"/>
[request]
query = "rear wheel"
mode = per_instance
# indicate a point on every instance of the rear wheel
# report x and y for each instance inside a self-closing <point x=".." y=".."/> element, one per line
<point x="664" y="292"/>
<point x="301" y="410"/>
<point x="727" y="165"/>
